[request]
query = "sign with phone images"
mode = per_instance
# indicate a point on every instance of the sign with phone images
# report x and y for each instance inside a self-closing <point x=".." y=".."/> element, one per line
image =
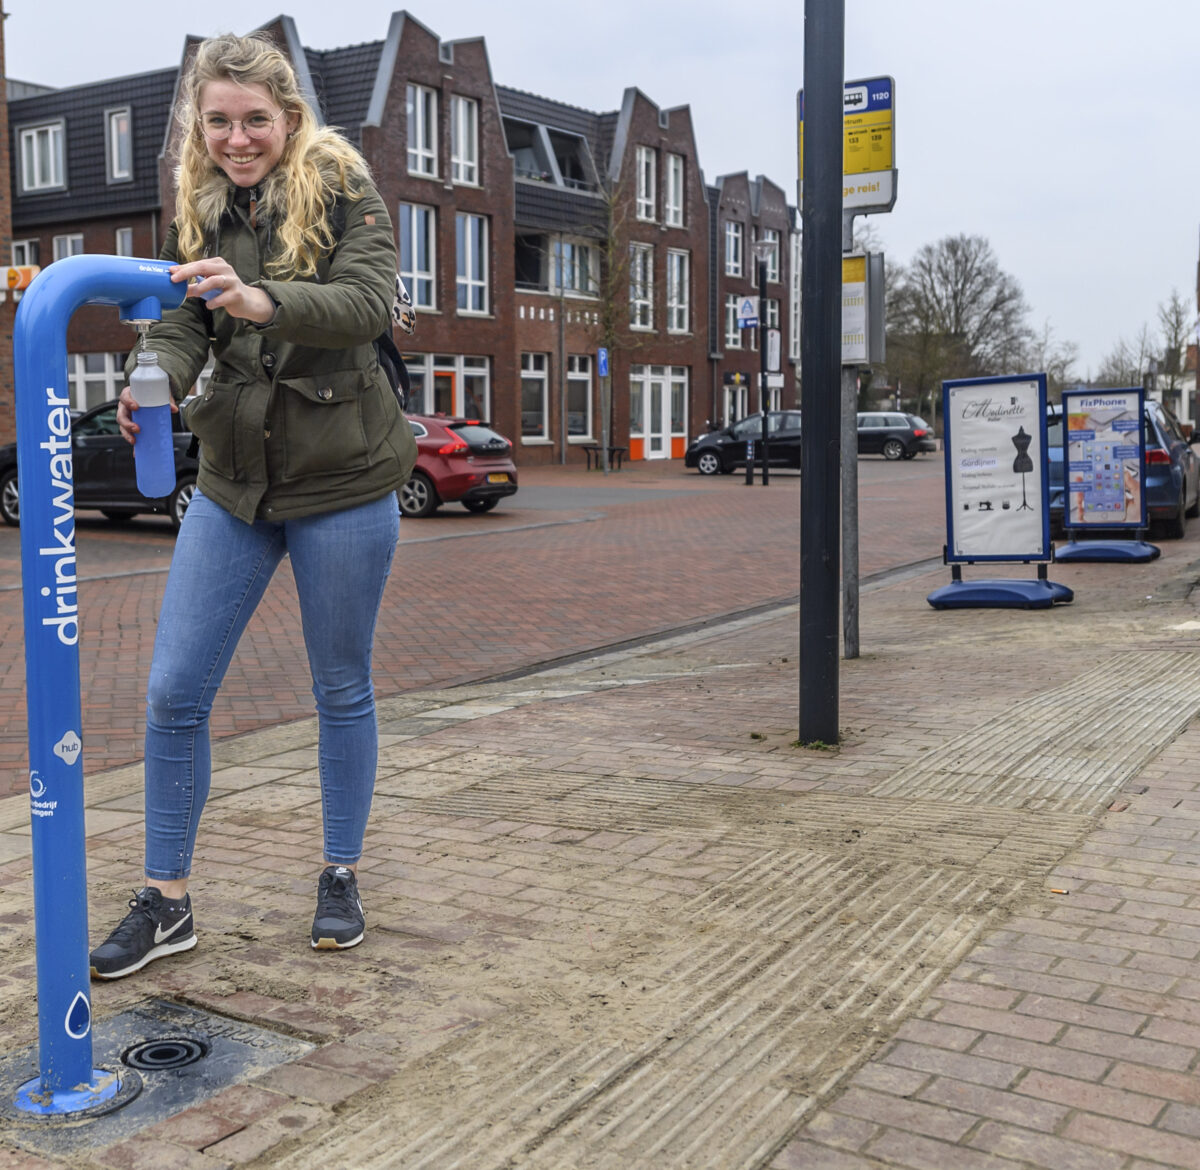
<point x="1104" y="456"/>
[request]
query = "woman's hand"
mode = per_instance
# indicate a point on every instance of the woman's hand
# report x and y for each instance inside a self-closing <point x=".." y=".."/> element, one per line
<point x="125" y="408"/>
<point x="217" y="276"/>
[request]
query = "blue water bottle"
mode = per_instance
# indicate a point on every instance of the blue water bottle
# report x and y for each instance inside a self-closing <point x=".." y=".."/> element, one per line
<point x="153" y="448"/>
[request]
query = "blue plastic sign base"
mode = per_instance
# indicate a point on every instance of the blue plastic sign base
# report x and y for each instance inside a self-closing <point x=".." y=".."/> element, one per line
<point x="1000" y="593"/>
<point x="108" y="1091"/>
<point x="1107" y="550"/>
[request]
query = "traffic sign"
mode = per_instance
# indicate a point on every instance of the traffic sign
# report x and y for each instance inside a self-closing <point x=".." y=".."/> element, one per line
<point x="747" y="312"/>
<point x="602" y="361"/>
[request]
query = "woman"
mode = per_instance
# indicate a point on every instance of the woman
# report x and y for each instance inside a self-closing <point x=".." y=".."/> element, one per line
<point x="290" y="260"/>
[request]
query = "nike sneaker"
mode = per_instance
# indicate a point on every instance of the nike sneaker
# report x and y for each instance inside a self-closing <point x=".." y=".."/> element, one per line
<point x="339" y="922"/>
<point x="153" y="928"/>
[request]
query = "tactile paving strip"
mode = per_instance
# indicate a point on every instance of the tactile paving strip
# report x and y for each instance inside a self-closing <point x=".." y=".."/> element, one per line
<point x="1116" y="718"/>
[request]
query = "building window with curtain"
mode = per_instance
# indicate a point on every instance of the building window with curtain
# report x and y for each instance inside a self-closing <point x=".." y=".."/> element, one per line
<point x="43" y="166"/>
<point x="422" y="130"/>
<point x="678" y="265"/>
<point x="418" y="241"/>
<point x="472" y="275"/>
<point x="535" y="405"/>
<point x="464" y="140"/>
<point x="118" y="134"/>
<point x="579" y="396"/>
<point x="641" y="286"/>
<point x="646" y="183"/>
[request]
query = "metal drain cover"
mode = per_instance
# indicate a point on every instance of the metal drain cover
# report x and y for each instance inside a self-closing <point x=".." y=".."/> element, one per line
<point x="182" y="1056"/>
<point x="167" y="1052"/>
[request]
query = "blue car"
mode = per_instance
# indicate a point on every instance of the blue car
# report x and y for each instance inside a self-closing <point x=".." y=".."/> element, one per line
<point x="1172" y="471"/>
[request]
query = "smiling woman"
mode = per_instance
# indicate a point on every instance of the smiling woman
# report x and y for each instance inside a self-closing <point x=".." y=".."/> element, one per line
<point x="302" y="449"/>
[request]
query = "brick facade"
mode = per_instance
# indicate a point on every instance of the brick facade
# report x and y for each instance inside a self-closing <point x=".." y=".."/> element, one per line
<point x="465" y="357"/>
<point x="751" y="206"/>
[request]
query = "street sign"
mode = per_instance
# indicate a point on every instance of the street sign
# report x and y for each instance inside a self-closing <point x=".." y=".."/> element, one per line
<point x="747" y="312"/>
<point x="602" y="362"/>
<point x="868" y="155"/>
<point x="774" y="346"/>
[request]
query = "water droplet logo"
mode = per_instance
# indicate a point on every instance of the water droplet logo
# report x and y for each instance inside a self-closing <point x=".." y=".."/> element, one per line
<point x="79" y="1017"/>
<point x="68" y="748"/>
<point x="37" y="788"/>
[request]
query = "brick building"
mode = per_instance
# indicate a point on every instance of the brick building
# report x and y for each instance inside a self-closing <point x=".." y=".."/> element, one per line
<point x="530" y="234"/>
<point x="743" y="212"/>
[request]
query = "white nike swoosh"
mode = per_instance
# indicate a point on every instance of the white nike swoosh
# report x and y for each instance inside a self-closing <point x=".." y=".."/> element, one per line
<point x="161" y="936"/>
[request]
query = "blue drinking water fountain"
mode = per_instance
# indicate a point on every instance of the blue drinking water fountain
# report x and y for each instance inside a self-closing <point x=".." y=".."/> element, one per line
<point x="67" y="1084"/>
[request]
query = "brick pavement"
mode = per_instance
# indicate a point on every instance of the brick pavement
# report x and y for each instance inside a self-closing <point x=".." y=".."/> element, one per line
<point x="470" y="596"/>
<point x="617" y="918"/>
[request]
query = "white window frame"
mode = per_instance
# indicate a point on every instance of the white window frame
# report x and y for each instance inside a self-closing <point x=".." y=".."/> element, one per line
<point x="118" y="170"/>
<point x="577" y="257"/>
<point x="771" y="236"/>
<point x="579" y="374"/>
<point x="679" y="275"/>
<point x="646" y="184"/>
<point x="535" y="367"/>
<point x="733" y="334"/>
<point x="70" y="244"/>
<point x="673" y="211"/>
<point x="21" y="252"/>
<point x="421" y="109"/>
<point x="771" y="313"/>
<point x="734" y="247"/>
<point x="422" y="367"/>
<point x="33" y="142"/>
<point x="123" y="241"/>
<point x="641" y="286"/>
<point x="464" y="140"/>
<point x="420" y="282"/>
<point x="471" y="272"/>
<point x="78" y="377"/>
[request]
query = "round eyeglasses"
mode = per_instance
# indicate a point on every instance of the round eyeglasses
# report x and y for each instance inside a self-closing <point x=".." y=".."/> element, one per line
<point x="218" y="127"/>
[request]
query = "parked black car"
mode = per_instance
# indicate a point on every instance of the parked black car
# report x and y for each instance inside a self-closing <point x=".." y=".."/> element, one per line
<point x="719" y="452"/>
<point x="893" y="435"/>
<point x="102" y="463"/>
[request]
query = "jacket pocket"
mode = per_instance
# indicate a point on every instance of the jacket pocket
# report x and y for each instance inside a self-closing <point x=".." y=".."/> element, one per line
<point x="322" y="423"/>
<point x="210" y="418"/>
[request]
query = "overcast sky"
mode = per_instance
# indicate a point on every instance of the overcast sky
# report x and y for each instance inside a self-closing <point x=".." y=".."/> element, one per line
<point x="1058" y="129"/>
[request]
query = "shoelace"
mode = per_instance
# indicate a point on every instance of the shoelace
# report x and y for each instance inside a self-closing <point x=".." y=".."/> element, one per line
<point x="139" y="907"/>
<point x="337" y="894"/>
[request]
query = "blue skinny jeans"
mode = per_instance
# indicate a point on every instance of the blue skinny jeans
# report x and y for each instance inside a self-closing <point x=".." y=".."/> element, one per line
<point x="219" y="573"/>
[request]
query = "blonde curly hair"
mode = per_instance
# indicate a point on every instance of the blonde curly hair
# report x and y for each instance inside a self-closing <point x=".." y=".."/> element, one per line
<point x="317" y="164"/>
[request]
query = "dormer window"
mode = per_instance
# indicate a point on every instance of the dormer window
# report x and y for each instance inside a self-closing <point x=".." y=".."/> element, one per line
<point x="118" y="142"/>
<point x="43" y="165"/>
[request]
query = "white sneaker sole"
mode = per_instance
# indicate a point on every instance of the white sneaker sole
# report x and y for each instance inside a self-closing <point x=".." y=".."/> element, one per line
<point x="158" y="952"/>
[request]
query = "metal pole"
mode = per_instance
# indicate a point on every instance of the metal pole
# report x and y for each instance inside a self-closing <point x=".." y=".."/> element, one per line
<point x="67" y="1083"/>
<point x="824" y="38"/>
<point x="849" y="512"/>
<point x="763" y="402"/>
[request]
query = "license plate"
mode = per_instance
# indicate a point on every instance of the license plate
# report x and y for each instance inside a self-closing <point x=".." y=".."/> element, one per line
<point x="498" y="477"/>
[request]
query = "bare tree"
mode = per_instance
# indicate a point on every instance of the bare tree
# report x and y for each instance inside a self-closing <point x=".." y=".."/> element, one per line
<point x="1127" y="361"/>
<point x="1046" y="354"/>
<point x="1175" y="321"/>
<point x="954" y="313"/>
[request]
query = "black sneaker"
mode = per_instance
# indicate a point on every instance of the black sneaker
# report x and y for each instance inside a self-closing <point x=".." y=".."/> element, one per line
<point x="150" y="930"/>
<point x="339" y="922"/>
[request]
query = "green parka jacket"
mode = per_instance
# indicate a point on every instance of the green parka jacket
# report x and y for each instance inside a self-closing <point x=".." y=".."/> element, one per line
<point x="297" y="417"/>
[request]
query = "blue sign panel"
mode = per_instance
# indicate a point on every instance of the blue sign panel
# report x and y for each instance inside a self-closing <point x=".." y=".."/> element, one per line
<point x="602" y="362"/>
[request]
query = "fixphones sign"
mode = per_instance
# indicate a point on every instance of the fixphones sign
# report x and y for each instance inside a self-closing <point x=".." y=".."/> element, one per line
<point x="1103" y="453"/>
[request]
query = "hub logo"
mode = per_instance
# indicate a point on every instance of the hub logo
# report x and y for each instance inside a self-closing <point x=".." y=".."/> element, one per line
<point x="68" y="748"/>
<point x="63" y="608"/>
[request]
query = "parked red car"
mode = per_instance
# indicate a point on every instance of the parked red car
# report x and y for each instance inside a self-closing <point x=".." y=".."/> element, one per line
<point x="459" y="460"/>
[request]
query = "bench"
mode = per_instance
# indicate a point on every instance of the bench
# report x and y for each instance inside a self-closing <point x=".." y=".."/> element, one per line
<point x="594" y="453"/>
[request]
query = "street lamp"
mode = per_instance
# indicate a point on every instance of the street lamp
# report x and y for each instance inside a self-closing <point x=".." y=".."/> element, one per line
<point x="763" y="250"/>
